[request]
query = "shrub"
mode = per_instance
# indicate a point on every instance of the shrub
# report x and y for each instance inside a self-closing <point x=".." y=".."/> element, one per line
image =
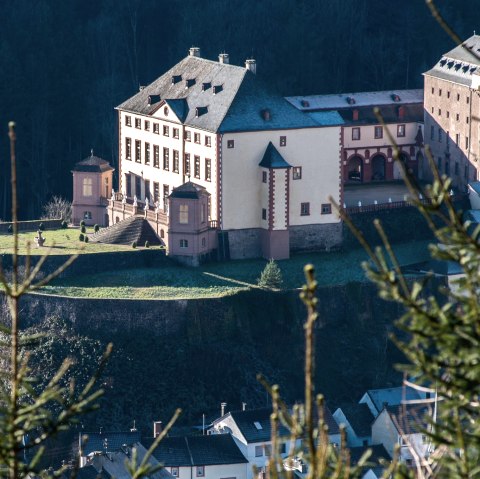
<point x="134" y="244"/>
<point x="86" y="239"/>
<point x="147" y="244"/>
<point x="81" y="237"/>
<point x="271" y="276"/>
<point x="83" y="229"/>
<point x="96" y="228"/>
<point x="56" y="208"/>
<point x="82" y="223"/>
<point x="41" y="226"/>
<point x="64" y="225"/>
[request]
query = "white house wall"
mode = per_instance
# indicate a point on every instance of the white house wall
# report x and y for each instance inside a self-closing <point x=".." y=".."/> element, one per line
<point x="223" y="471"/>
<point x="384" y="432"/>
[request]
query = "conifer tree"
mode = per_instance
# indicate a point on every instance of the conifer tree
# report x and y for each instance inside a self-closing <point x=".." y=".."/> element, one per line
<point x="271" y="276"/>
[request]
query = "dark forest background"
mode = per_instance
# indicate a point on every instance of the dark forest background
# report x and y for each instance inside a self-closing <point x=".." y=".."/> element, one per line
<point x="66" y="64"/>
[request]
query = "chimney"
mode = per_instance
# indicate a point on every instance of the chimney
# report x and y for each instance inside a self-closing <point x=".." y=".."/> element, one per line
<point x="224" y="58"/>
<point x="401" y="112"/>
<point x="194" y="52"/>
<point x="251" y="65"/>
<point x="266" y="114"/>
<point x="244" y="406"/>
<point x="355" y="115"/>
<point x="223" y="406"/>
<point x="157" y="428"/>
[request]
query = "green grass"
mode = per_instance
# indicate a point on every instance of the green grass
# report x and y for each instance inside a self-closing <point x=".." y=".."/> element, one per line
<point x="61" y="241"/>
<point x="220" y="279"/>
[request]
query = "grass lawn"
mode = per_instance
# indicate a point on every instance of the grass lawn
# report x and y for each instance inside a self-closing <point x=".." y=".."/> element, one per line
<point x="219" y="279"/>
<point x="61" y="241"/>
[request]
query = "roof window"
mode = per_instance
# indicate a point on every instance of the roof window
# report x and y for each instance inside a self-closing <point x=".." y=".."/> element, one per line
<point x="189" y="82"/>
<point x="443" y="62"/>
<point x="217" y="89"/>
<point x="395" y="97"/>
<point x="351" y="100"/>
<point x="266" y="114"/>
<point x="258" y="425"/>
<point x="201" y="110"/>
<point x="206" y="86"/>
<point x="152" y="99"/>
<point x="305" y="103"/>
<point x="176" y="79"/>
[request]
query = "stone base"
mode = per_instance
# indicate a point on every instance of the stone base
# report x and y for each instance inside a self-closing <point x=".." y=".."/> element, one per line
<point x="276" y="244"/>
<point x="316" y="237"/>
<point x="245" y="243"/>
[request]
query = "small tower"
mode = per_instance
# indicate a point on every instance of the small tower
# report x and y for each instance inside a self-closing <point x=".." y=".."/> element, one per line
<point x="92" y="186"/>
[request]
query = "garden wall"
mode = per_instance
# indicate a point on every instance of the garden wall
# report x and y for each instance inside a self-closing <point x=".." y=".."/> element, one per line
<point x="32" y="225"/>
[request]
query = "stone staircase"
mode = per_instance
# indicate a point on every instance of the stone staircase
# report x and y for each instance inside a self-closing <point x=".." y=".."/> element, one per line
<point x="126" y="232"/>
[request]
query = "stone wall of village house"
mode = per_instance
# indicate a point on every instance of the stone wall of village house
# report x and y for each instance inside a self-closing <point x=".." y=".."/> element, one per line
<point x="159" y="174"/>
<point x="315" y="150"/>
<point x="451" y="109"/>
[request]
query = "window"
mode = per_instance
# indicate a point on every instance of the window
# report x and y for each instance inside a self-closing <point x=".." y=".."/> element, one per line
<point x="196" y="166"/>
<point x="432" y="132"/>
<point x="440" y="135"/>
<point x="138" y="186"/>
<point x="439" y="112"/>
<point x="258" y="451"/>
<point x="432" y="110"/>
<point x="326" y="209"/>
<point x="166" y="191"/>
<point x="440" y="92"/>
<point x="138" y="123"/>
<point x="458" y="96"/>
<point x="200" y="469"/>
<point x="297" y="172"/>
<point x="439" y="164"/>
<point x="87" y="187"/>
<point x="447" y="168"/>
<point x="156" y="156"/>
<point x="165" y="130"/>
<point x="202" y="213"/>
<point x="147" y="153"/>
<point x="176" y="161"/>
<point x="433" y="90"/>
<point x="166" y="111"/>
<point x="166" y="158"/>
<point x="268" y="450"/>
<point x="457" y="168"/>
<point x="230" y="143"/>
<point x="457" y="139"/>
<point x="264" y="176"/>
<point x="128" y="148"/>
<point x="128" y="183"/>
<point x="356" y="133"/>
<point x="304" y="209"/>
<point x="208" y="140"/>
<point x="264" y="213"/>
<point x="188" y="136"/>
<point x="174" y="471"/>
<point x="467" y="120"/>
<point x="128" y="120"/>
<point x="400" y="130"/>
<point x="378" y="133"/>
<point x="196" y="138"/>
<point x="138" y="151"/>
<point x="448" y="114"/>
<point x="208" y="169"/>
<point x="448" y="94"/>
<point x="183" y="216"/>
<point x="204" y="242"/>
<point x="466" y="142"/>
<point x="283" y="448"/>
<point x="283" y="141"/>
<point x="186" y="169"/>
<point x="147" y="189"/>
<point x="146" y="125"/>
<point x="468" y="100"/>
<point x="156" y="128"/>
<point x="156" y="192"/>
<point x="175" y="133"/>
<point x="458" y="117"/>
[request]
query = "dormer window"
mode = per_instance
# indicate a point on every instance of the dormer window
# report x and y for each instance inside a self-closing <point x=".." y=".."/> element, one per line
<point x="152" y="99"/>
<point x="189" y="83"/>
<point x="305" y="103"/>
<point x="166" y="111"/>
<point x="351" y="100"/>
<point x="206" y="86"/>
<point x="217" y="89"/>
<point x="395" y="97"/>
<point x="257" y="425"/>
<point x="266" y="114"/>
<point x="200" y="110"/>
<point x="176" y="79"/>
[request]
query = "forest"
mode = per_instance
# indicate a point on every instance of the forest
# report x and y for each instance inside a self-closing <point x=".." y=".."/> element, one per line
<point x="66" y="65"/>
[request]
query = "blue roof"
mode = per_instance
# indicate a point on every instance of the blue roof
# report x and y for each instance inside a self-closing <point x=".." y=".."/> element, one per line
<point x="273" y="159"/>
<point x="326" y="118"/>
<point x="475" y="185"/>
<point x="107" y="441"/>
<point x="392" y="396"/>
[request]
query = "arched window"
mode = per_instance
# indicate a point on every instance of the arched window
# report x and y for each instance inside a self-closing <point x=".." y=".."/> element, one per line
<point x="87" y="187"/>
<point x="87" y="215"/>
<point x="183" y="216"/>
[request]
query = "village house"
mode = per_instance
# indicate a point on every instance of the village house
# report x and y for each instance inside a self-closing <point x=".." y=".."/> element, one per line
<point x="452" y="102"/>
<point x="357" y="419"/>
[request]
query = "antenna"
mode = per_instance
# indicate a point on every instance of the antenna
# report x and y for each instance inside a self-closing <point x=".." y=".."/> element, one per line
<point x="91" y="152"/>
<point x="133" y="429"/>
<point x="203" y="424"/>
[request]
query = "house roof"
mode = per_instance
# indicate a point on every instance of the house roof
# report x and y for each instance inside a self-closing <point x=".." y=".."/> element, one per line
<point x="89" y="472"/>
<point x="458" y="65"/>
<point x="93" y="164"/>
<point x="475" y="186"/>
<point x="391" y="396"/>
<point x="217" y="97"/>
<point x="409" y="419"/>
<point x="360" y="418"/>
<point x="189" y="190"/>
<point x="207" y="450"/>
<point x="107" y="441"/>
<point x="273" y="159"/>
<point x="378" y="452"/>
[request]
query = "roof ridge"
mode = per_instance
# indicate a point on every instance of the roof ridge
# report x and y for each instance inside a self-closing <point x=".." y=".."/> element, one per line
<point x="189" y="451"/>
<point x="233" y="99"/>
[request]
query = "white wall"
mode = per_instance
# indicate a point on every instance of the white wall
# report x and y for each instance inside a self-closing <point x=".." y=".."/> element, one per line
<point x="223" y="471"/>
<point x="384" y="432"/>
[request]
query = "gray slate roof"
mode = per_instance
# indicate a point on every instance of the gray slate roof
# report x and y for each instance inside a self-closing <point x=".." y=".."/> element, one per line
<point x="392" y="396"/>
<point x="236" y="106"/>
<point x="199" y="451"/>
<point x="273" y="159"/>
<point x="93" y="164"/>
<point x="107" y="441"/>
<point x="189" y="190"/>
<point x="378" y="452"/>
<point x="410" y="419"/>
<point x="360" y="418"/>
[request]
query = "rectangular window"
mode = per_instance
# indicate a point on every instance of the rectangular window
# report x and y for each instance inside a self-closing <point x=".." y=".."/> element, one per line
<point x="326" y="209"/>
<point x="208" y="140"/>
<point x="447" y="168"/>
<point x="230" y="143"/>
<point x="166" y="159"/>
<point x="146" y="125"/>
<point x="440" y="92"/>
<point x="439" y="164"/>
<point x="466" y="143"/>
<point x="304" y="209"/>
<point x="156" y="156"/>
<point x="297" y="172"/>
<point x="128" y="185"/>
<point x="138" y="123"/>
<point x="440" y="135"/>
<point x="433" y="90"/>
<point x="87" y="187"/>
<point x="356" y="133"/>
<point x="264" y="176"/>
<point x="200" y="471"/>
<point x="448" y="94"/>
<point x="457" y="168"/>
<point x="432" y="110"/>
<point x="448" y="114"/>
<point x="156" y="128"/>
<point x="176" y="161"/>
<point x="432" y="132"/>
<point x="458" y="96"/>
<point x="400" y="130"/>
<point x="378" y="133"/>
<point x="186" y="168"/>
<point x="166" y="192"/>
<point x="147" y="153"/>
<point x="457" y="139"/>
<point x="467" y="120"/>
<point x="147" y="189"/>
<point x="188" y="135"/>
<point x="268" y="450"/>
<point x="283" y="448"/>
<point x="283" y="141"/>
<point x="468" y="100"/>
<point x="128" y="120"/>
<point x="138" y="151"/>
<point x="156" y="192"/>
<point x="183" y="215"/>
<point x="175" y="133"/>
<point x="264" y="213"/>
<point x="208" y="169"/>
<point x="165" y="130"/>
<point x="458" y="117"/>
<point x="196" y="170"/>
<point x="128" y="148"/>
<point x="439" y="112"/>
<point x="196" y="138"/>
<point x="258" y="449"/>
<point x="183" y="243"/>
<point x="174" y="471"/>
<point x="138" y="186"/>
